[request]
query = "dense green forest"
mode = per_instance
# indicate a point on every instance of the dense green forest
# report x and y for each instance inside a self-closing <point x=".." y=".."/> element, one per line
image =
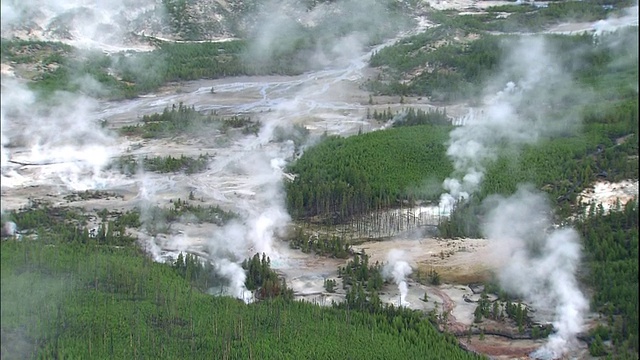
<point x="342" y="177"/>
<point x="162" y="164"/>
<point x="611" y="243"/>
<point x="83" y="297"/>
<point x="75" y="290"/>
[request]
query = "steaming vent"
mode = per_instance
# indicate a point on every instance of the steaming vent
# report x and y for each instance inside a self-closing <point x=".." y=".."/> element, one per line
<point x="397" y="270"/>
<point x="9" y="229"/>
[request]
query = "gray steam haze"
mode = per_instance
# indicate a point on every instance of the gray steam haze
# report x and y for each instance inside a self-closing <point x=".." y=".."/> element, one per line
<point x="540" y="263"/>
<point x="82" y="23"/>
<point x="336" y="32"/>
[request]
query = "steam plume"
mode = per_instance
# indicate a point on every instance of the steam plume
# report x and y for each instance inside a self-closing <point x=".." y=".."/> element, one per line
<point x="542" y="263"/>
<point x="236" y="276"/>
<point x="63" y="139"/>
<point x="397" y="270"/>
<point x="521" y="112"/>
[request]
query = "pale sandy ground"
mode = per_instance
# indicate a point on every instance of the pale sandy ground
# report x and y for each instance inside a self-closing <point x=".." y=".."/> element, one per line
<point x="462" y="261"/>
<point x="608" y="194"/>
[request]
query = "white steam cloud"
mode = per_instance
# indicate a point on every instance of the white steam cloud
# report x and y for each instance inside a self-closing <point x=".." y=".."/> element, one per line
<point x="397" y="269"/>
<point x="64" y="139"/>
<point x="521" y="112"/>
<point x="237" y="277"/>
<point x="542" y="263"/>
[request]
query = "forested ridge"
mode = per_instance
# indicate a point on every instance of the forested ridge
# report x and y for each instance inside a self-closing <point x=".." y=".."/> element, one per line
<point x="432" y="64"/>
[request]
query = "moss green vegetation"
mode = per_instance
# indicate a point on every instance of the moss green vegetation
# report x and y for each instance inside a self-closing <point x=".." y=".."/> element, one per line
<point x="184" y="120"/>
<point x="342" y="177"/>
<point x="63" y="299"/>
<point x="158" y="218"/>
<point x="167" y="164"/>
<point x="325" y="245"/>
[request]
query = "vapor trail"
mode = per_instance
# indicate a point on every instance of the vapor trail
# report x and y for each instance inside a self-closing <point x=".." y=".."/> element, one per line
<point x="539" y="263"/>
